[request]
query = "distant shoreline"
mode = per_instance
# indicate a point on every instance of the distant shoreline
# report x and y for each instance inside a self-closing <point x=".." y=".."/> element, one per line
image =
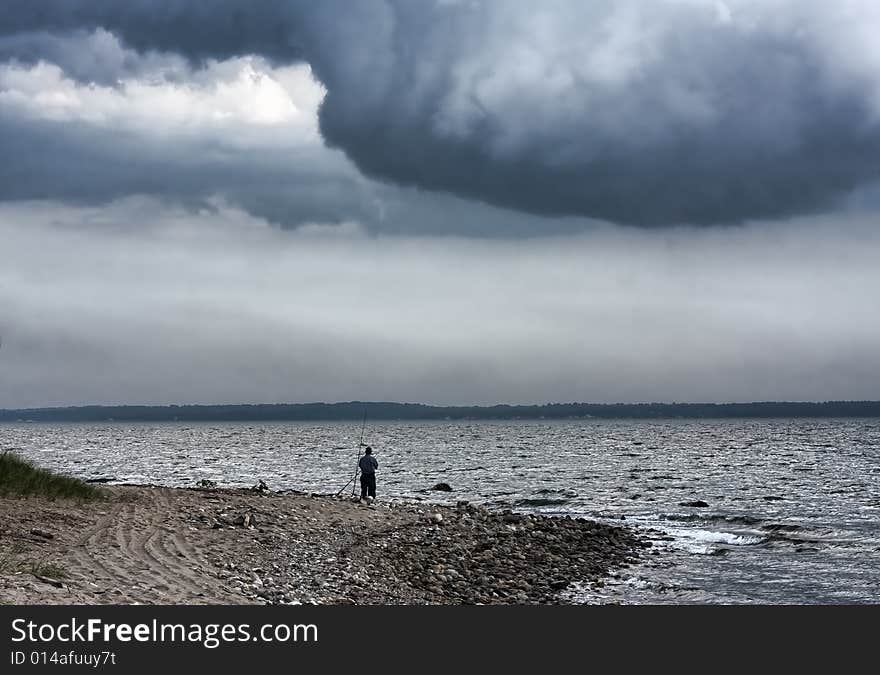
<point x="356" y="410"/>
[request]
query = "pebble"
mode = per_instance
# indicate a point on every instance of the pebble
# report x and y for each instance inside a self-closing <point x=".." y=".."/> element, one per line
<point x="477" y="557"/>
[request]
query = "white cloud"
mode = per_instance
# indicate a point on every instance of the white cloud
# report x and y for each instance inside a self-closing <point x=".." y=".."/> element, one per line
<point x="240" y="97"/>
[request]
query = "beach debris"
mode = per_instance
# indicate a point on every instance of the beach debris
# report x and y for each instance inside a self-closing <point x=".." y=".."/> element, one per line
<point x="436" y="517"/>
<point x="47" y="580"/>
<point x="99" y="480"/>
<point x="245" y="520"/>
<point x="206" y="484"/>
<point x="442" y="487"/>
<point x="42" y="533"/>
<point x="697" y="504"/>
<point x="260" y="487"/>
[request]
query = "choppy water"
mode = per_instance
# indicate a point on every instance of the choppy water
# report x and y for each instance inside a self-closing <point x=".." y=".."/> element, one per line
<point x="793" y="510"/>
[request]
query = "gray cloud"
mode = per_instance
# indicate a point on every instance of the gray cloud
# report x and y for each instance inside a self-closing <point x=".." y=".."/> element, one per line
<point x="140" y="302"/>
<point x="90" y="141"/>
<point x="87" y="164"/>
<point x="89" y="56"/>
<point x="689" y="111"/>
<point x="198" y="28"/>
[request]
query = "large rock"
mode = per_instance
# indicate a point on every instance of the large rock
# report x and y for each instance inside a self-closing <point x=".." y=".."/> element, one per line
<point x="245" y="520"/>
<point x="442" y="487"/>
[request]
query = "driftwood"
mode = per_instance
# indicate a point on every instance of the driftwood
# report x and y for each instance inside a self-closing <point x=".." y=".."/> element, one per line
<point x="47" y="580"/>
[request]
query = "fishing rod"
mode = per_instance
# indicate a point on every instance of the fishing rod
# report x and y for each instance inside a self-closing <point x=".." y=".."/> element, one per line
<point x="357" y="466"/>
<point x="357" y="463"/>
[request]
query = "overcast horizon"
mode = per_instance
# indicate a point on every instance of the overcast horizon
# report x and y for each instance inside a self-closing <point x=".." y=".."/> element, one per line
<point x="486" y="406"/>
<point x="448" y="202"/>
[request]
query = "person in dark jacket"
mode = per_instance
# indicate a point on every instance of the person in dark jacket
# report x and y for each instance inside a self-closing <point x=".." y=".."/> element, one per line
<point x="368" y="465"/>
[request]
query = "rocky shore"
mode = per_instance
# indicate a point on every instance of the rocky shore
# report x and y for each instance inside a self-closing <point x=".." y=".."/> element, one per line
<point x="196" y="546"/>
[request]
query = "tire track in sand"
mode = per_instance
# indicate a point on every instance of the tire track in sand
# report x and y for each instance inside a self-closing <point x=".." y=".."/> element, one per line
<point x="167" y="547"/>
<point x="90" y="550"/>
<point x="139" y="551"/>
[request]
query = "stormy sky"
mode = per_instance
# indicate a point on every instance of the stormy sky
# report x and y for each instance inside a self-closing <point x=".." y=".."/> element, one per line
<point x="442" y="201"/>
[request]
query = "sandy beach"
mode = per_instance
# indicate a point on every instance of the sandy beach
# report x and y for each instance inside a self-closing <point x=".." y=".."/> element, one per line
<point x="150" y="545"/>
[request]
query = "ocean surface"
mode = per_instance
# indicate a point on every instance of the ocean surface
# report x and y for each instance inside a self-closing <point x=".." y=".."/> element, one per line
<point x="792" y="509"/>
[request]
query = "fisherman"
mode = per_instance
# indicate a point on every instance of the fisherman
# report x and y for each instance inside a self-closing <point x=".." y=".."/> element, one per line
<point x="368" y="465"/>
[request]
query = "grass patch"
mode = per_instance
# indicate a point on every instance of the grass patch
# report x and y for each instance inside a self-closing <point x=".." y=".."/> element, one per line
<point x="14" y="561"/>
<point x="9" y="559"/>
<point x="20" y="477"/>
<point x="50" y="570"/>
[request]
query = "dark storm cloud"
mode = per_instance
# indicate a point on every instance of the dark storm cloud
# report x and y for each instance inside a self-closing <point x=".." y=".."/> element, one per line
<point x="646" y="113"/>
<point x="79" y="165"/>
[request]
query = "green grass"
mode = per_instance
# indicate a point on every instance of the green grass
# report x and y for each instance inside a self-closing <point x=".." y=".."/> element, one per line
<point x="8" y="559"/>
<point x="20" y="477"/>
<point x="11" y="563"/>
<point x="51" y="570"/>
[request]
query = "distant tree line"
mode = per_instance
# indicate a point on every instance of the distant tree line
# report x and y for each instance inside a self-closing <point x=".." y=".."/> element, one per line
<point x="355" y="410"/>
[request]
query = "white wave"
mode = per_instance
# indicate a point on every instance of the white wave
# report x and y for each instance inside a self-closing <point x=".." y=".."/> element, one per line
<point x="701" y="541"/>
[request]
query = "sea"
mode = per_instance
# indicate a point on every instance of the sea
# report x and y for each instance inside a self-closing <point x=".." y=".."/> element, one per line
<point x="740" y="511"/>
